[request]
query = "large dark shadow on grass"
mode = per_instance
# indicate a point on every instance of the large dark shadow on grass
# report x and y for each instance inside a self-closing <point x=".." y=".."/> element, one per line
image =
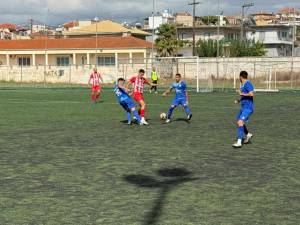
<point x="169" y="179"/>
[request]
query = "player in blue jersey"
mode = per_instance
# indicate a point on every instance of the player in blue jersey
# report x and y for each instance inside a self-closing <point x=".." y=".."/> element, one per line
<point x="246" y="94"/>
<point x="126" y="102"/>
<point x="181" y="97"/>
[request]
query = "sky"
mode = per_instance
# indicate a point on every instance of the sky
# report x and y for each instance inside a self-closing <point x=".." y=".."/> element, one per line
<point x="59" y="11"/>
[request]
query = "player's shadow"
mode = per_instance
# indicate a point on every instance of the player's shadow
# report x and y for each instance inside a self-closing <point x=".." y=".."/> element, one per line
<point x="182" y="120"/>
<point x="169" y="179"/>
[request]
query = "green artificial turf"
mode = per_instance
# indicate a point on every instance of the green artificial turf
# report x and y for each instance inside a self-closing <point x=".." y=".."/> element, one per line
<point x="64" y="160"/>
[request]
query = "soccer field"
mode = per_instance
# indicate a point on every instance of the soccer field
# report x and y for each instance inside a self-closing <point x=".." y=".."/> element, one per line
<point x="66" y="161"/>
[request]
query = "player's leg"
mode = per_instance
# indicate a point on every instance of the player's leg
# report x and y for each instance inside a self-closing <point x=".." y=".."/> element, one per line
<point x="98" y="93"/>
<point x="187" y="109"/>
<point x="171" y="109"/>
<point x="241" y="119"/>
<point x="128" y="112"/>
<point x="142" y="111"/>
<point x="93" y="96"/>
<point x="248" y="135"/>
<point x="155" y="87"/>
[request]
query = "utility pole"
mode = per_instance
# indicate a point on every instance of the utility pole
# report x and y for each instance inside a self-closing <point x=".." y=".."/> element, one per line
<point x="247" y="5"/>
<point x="194" y="3"/>
<point x="153" y="32"/>
<point x="31" y="26"/>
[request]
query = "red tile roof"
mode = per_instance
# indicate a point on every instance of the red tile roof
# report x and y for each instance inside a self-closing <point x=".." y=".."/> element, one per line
<point x="288" y="11"/>
<point x="75" y="43"/>
<point x="9" y="26"/>
<point x="71" y="24"/>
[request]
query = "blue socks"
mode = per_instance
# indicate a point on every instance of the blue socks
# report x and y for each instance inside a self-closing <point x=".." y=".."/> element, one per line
<point x="240" y="132"/>
<point x="171" y="109"/>
<point x="128" y="116"/>
<point x="187" y="110"/>
<point x="137" y="116"/>
<point x="245" y="130"/>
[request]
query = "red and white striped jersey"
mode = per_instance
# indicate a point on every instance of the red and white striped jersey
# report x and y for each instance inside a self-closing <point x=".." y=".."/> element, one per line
<point x="139" y="83"/>
<point x="95" y="79"/>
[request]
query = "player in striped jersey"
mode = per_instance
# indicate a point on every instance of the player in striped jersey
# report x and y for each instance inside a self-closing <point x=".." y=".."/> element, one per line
<point x="94" y="81"/>
<point x="138" y="83"/>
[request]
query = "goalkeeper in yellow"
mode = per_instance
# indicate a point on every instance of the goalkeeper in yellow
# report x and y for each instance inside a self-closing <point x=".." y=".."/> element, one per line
<point x="154" y="78"/>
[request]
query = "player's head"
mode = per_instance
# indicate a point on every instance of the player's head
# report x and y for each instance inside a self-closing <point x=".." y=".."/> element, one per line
<point x="95" y="70"/>
<point x="243" y="75"/>
<point x="141" y="72"/>
<point x="178" y="77"/>
<point x="121" y="81"/>
<point x="153" y="69"/>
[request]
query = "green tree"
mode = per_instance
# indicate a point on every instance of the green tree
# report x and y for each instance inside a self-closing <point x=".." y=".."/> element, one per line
<point x="207" y="48"/>
<point x="166" y="42"/>
<point x="207" y="20"/>
<point x="234" y="48"/>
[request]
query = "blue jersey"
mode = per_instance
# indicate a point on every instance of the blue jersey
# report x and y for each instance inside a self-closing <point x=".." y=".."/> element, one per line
<point x="247" y="101"/>
<point x="121" y="94"/>
<point x="180" y="90"/>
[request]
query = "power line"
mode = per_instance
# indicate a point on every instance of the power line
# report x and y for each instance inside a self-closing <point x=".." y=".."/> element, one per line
<point x="194" y="4"/>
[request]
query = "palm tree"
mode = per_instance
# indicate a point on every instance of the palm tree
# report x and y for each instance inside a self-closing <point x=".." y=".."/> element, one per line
<point x="166" y="41"/>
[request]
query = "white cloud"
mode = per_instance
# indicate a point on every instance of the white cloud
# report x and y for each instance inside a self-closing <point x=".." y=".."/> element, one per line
<point x="20" y="11"/>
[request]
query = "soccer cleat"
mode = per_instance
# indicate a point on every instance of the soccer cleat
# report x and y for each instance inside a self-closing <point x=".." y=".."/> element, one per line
<point x="248" y="138"/>
<point x="129" y="123"/>
<point x="237" y="145"/>
<point x="143" y="121"/>
<point x="168" y="120"/>
<point x="190" y="116"/>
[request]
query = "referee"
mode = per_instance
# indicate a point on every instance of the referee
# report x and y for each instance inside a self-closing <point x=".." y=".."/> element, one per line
<point x="154" y="78"/>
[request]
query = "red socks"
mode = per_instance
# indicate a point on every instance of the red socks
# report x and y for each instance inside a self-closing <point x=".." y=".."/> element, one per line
<point x="142" y="112"/>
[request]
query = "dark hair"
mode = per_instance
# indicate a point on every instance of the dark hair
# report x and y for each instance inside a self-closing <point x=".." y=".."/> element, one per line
<point x="121" y="79"/>
<point x="141" y="71"/>
<point x="244" y="74"/>
<point x="178" y="74"/>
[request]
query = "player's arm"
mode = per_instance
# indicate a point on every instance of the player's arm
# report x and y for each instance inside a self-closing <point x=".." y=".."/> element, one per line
<point x="187" y="95"/>
<point x="130" y="82"/>
<point x="100" y="77"/>
<point x="124" y="88"/>
<point x="167" y="92"/>
<point x="250" y="91"/>
<point x="250" y="94"/>
<point x="150" y="83"/>
<point x="89" y="83"/>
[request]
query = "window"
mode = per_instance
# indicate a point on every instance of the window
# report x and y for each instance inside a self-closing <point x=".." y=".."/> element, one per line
<point x="24" y="61"/>
<point x="106" y="61"/>
<point x="284" y="34"/>
<point x="63" y="61"/>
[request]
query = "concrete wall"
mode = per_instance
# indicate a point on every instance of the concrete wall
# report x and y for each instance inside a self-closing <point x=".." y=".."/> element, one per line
<point x="227" y="68"/>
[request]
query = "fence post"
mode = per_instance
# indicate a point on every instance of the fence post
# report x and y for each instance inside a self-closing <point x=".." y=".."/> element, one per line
<point x="198" y="89"/>
<point x="70" y="74"/>
<point x="45" y="71"/>
<point x="21" y="78"/>
<point x="234" y="79"/>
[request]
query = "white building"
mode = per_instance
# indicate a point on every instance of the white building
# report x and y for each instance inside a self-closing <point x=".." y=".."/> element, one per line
<point x="278" y="39"/>
<point x="155" y="21"/>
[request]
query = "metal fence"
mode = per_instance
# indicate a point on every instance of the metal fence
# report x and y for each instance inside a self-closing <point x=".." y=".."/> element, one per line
<point x="201" y="74"/>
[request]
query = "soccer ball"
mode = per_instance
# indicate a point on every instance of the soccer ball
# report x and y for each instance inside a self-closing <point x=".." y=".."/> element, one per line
<point x="163" y="116"/>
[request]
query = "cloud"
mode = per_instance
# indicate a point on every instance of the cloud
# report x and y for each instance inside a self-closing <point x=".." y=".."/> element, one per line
<point x="20" y="11"/>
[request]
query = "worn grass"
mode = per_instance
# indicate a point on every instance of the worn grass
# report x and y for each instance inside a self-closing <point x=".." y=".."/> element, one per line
<point x="65" y="161"/>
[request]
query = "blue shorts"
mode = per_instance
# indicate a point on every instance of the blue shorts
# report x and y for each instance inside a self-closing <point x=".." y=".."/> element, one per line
<point x="244" y="114"/>
<point x="180" y="101"/>
<point x="127" y="104"/>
